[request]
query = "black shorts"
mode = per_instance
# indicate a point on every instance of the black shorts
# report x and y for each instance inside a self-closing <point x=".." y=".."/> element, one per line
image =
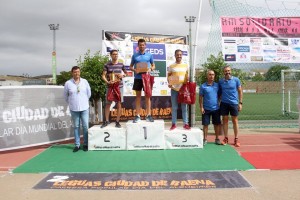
<point x="215" y="115"/>
<point x="226" y="108"/>
<point x="137" y="85"/>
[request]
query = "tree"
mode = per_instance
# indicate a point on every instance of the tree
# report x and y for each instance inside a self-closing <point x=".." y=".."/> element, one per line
<point x="258" y="77"/>
<point x="63" y="77"/>
<point x="91" y="69"/>
<point x="217" y="64"/>
<point x="274" y="73"/>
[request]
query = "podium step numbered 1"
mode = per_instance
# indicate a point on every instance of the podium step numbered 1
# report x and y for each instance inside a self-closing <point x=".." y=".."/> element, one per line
<point x="143" y="135"/>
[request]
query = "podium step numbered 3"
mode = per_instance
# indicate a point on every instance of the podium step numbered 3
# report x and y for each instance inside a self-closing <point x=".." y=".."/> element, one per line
<point x="143" y="135"/>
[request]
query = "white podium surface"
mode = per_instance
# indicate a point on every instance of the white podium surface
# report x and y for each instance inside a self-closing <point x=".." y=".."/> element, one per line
<point x="180" y="138"/>
<point x="107" y="138"/>
<point x="145" y="135"/>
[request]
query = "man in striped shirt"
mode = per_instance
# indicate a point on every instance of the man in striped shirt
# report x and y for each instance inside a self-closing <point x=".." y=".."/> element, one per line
<point x="178" y="71"/>
<point x="113" y="68"/>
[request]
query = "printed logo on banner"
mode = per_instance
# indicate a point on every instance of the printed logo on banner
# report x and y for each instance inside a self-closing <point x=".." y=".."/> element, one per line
<point x="243" y="49"/>
<point x="242" y="41"/>
<point x="184" y="53"/>
<point x="243" y="57"/>
<point x="160" y="69"/>
<point x="297" y="49"/>
<point x="230" y="57"/>
<point x="229" y="49"/>
<point x="257" y="58"/>
<point x="255" y="41"/>
<point x="295" y="42"/>
<point x="157" y="50"/>
<point x="229" y="41"/>
<point x="283" y="42"/>
<point x="269" y="58"/>
<point x="270" y="51"/>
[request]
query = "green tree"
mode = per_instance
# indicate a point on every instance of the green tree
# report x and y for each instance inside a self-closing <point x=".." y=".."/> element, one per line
<point x="217" y="64"/>
<point x="91" y="69"/>
<point x="258" y="77"/>
<point x="274" y="73"/>
<point x="63" y="77"/>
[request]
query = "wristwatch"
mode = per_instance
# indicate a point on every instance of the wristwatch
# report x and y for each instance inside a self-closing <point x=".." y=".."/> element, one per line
<point x="241" y="103"/>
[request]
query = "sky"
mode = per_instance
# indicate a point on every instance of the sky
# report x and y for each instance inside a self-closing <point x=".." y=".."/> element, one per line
<point x="26" y="42"/>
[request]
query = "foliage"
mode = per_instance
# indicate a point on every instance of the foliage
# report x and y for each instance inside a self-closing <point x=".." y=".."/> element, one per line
<point x="274" y="73"/>
<point x="91" y="69"/>
<point x="258" y="77"/>
<point x="63" y="77"/>
<point x="217" y="64"/>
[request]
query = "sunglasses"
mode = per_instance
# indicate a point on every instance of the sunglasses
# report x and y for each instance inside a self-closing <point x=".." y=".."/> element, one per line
<point x="78" y="89"/>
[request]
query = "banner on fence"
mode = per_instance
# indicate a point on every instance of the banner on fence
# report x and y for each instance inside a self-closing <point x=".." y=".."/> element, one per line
<point x="162" y="47"/>
<point x="261" y="39"/>
<point x="33" y="115"/>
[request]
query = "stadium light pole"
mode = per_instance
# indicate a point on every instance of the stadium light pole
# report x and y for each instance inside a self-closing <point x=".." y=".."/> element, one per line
<point x="192" y="108"/>
<point x="53" y="28"/>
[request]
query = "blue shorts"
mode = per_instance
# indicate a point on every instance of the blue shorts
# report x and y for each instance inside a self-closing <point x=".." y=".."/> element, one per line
<point x="226" y="108"/>
<point x="215" y="115"/>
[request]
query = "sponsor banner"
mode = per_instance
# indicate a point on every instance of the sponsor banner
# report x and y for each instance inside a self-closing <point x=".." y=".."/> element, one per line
<point x="27" y="120"/>
<point x="143" y="181"/>
<point x="162" y="47"/>
<point x="257" y="36"/>
<point x="157" y="50"/>
<point x="161" y="108"/>
<point x="153" y="38"/>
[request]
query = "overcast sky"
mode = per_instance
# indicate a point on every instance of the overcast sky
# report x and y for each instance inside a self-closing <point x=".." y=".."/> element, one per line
<point x="26" y="41"/>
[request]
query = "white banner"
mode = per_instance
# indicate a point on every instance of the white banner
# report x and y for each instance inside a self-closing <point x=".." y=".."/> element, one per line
<point x="33" y="115"/>
<point x="260" y="39"/>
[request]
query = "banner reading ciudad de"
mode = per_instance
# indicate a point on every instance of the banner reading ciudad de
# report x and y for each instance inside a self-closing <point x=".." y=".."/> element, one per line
<point x="261" y="39"/>
<point x="33" y="115"/>
<point x="162" y="47"/>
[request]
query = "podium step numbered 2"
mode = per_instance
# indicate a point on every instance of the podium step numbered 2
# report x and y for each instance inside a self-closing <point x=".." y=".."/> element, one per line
<point x="143" y="135"/>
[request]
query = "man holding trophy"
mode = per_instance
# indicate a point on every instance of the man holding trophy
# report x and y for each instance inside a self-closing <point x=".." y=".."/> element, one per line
<point x="141" y="63"/>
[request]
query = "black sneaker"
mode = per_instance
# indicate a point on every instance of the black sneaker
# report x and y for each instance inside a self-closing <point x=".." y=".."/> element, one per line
<point x="85" y="148"/>
<point x="76" y="149"/>
<point x="149" y="118"/>
<point x="118" y="125"/>
<point x="105" y="123"/>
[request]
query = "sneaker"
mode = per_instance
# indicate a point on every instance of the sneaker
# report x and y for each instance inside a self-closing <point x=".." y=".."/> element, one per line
<point x="187" y="127"/>
<point x="204" y="142"/>
<point x="236" y="142"/>
<point x="173" y="127"/>
<point x="76" y="149"/>
<point x="136" y="119"/>
<point x="217" y="141"/>
<point x="85" y="148"/>
<point x="118" y="125"/>
<point x="149" y="118"/>
<point x="225" y="141"/>
<point x="105" y="123"/>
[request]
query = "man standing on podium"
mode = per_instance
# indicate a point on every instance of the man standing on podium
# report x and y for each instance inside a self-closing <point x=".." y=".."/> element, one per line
<point x="112" y="73"/>
<point x="141" y="62"/>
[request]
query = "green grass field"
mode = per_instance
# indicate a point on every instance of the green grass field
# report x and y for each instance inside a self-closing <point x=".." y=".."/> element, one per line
<point x="263" y="107"/>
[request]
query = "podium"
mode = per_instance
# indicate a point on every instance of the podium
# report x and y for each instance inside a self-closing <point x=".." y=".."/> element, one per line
<point x="107" y="138"/>
<point x="180" y="138"/>
<point x="143" y="135"/>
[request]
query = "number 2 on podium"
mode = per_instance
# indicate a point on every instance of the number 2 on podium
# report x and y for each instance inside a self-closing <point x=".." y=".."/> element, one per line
<point x="106" y="137"/>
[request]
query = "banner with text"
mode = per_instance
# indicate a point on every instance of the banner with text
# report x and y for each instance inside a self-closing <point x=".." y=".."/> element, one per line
<point x="33" y="115"/>
<point x="261" y="39"/>
<point x="162" y="47"/>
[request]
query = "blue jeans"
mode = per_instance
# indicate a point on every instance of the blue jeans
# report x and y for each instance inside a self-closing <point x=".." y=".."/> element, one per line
<point x="82" y="116"/>
<point x="174" y="96"/>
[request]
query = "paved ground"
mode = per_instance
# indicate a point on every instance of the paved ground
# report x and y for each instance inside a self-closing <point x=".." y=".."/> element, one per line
<point x="266" y="184"/>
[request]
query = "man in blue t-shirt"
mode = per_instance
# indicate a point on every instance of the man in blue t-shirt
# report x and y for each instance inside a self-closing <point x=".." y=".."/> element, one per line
<point x="231" y="102"/>
<point x="141" y="62"/>
<point x="209" y="106"/>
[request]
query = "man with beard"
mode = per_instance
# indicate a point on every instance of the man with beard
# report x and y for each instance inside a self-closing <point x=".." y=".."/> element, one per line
<point x="231" y="102"/>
